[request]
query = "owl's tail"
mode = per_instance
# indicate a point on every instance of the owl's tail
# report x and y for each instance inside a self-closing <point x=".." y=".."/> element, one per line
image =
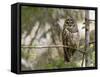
<point x="67" y="54"/>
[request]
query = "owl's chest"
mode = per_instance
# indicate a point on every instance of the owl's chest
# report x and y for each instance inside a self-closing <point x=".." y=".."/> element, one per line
<point x="71" y="36"/>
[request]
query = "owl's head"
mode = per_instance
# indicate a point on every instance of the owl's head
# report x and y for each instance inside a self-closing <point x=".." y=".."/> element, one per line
<point x="71" y="25"/>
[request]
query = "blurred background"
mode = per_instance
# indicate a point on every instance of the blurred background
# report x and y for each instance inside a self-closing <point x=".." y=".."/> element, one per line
<point x="42" y="27"/>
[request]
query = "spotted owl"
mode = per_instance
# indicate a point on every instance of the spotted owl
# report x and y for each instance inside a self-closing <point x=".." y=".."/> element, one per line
<point x="70" y="37"/>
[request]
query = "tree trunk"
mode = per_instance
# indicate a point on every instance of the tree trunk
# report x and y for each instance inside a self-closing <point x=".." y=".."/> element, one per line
<point x="87" y="38"/>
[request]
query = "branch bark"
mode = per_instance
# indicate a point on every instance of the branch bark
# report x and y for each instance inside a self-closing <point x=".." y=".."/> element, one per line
<point x="87" y="38"/>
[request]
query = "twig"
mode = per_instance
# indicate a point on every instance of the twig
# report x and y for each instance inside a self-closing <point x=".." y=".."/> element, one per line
<point x="82" y="60"/>
<point x="92" y="42"/>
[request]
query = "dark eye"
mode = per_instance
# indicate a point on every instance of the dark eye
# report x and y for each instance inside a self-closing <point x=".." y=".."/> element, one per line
<point x="66" y="22"/>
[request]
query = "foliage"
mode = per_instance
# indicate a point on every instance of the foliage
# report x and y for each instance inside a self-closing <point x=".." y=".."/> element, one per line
<point x="60" y="64"/>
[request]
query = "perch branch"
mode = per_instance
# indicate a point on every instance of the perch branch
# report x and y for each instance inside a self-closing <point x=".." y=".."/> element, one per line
<point x="53" y="46"/>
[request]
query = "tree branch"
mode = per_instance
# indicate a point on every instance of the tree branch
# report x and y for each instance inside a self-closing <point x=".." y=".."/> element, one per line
<point x="91" y="42"/>
<point x="53" y="46"/>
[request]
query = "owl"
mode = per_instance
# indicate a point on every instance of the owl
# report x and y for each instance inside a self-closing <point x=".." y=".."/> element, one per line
<point x="70" y="37"/>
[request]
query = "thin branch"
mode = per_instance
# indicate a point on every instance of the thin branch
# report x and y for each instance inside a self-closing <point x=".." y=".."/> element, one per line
<point x="82" y="60"/>
<point x="53" y="46"/>
<point x="91" y="42"/>
<point x="89" y="19"/>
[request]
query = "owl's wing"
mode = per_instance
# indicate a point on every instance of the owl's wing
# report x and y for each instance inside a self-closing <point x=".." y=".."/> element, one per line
<point x="65" y="39"/>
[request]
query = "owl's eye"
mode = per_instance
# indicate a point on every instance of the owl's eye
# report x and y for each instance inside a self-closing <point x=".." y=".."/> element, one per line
<point x="66" y="22"/>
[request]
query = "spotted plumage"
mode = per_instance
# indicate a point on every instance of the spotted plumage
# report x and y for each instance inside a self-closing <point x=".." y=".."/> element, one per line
<point x="70" y="37"/>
